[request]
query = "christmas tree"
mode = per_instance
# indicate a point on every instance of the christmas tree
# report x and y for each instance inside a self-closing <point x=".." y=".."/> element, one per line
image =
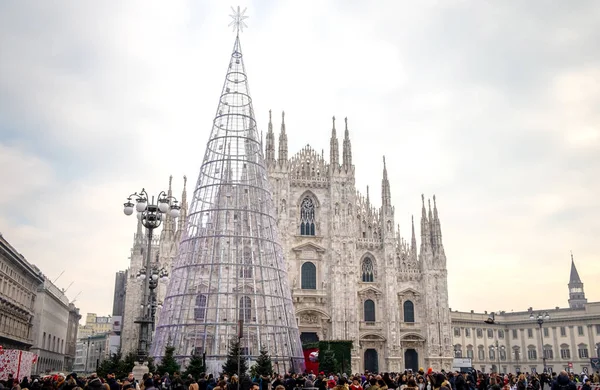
<point x="230" y="366"/>
<point x="264" y="366"/>
<point x="168" y="362"/>
<point x="327" y="361"/>
<point x="196" y="367"/>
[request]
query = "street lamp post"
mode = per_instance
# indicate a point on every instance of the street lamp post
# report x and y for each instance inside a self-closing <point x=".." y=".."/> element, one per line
<point x="540" y="318"/>
<point x="491" y="320"/>
<point x="154" y="276"/>
<point x="151" y="215"/>
<point x="498" y="348"/>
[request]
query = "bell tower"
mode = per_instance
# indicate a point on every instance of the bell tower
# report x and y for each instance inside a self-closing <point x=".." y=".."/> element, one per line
<point x="577" y="298"/>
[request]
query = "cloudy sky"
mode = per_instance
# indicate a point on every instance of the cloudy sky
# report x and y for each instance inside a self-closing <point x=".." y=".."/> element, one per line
<point x="492" y="106"/>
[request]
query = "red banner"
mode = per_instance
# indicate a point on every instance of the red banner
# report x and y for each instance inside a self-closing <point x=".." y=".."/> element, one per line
<point x="311" y="359"/>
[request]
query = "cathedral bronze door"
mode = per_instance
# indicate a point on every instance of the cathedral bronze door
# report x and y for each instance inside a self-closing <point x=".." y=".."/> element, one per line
<point x="371" y="360"/>
<point x="411" y="360"/>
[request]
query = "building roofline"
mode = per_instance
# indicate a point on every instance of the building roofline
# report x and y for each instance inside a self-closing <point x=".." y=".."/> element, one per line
<point x="14" y="255"/>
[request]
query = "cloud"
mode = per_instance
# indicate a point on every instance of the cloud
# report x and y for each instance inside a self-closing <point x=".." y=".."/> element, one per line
<point x="492" y="106"/>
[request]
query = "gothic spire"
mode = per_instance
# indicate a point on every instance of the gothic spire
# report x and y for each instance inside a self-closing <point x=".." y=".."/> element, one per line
<point x="437" y="228"/>
<point x="169" y="222"/>
<point x="184" y="207"/>
<point x="270" y="147"/>
<point x="347" y="152"/>
<point x="334" y="155"/>
<point x="413" y="239"/>
<point x="139" y="234"/>
<point x="425" y="236"/>
<point x="283" y="147"/>
<point x="386" y="196"/>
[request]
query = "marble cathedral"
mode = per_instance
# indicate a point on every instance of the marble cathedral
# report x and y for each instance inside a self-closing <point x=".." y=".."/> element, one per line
<point x="352" y="276"/>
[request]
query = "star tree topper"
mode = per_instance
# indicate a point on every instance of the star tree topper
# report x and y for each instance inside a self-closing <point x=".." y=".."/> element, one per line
<point x="238" y="19"/>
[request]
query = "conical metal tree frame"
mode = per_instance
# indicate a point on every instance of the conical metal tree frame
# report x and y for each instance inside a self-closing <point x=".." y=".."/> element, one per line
<point x="230" y="264"/>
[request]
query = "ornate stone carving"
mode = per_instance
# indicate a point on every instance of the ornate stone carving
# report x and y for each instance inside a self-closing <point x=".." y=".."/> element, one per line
<point x="309" y="319"/>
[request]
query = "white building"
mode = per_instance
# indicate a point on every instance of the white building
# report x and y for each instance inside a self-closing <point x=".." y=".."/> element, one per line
<point x="19" y="281"/>
<point x="53" y="327"/>
<point x="568" y="339"/>
<point x="353" y="276"/>
<point x="91" y="351"/>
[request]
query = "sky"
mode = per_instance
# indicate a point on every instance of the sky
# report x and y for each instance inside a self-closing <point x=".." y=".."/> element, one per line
<point x="492" y="106"/>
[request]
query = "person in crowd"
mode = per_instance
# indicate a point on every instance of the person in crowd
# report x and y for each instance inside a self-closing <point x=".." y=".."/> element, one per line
<point x="563" y="382"/>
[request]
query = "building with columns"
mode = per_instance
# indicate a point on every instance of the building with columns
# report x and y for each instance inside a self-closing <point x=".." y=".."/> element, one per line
<point x="568" y="338"/>
<point x="19" y="282"/>
<point x="353" y="277"/>
<point x="54" y="329"/>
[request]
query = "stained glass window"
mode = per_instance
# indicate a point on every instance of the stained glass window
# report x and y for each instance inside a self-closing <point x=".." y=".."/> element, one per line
<point x="307" y="217"/>
<point x="367" y="270"/>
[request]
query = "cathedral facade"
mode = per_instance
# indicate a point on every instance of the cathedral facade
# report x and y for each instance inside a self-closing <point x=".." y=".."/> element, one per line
<point x="352" y="276"/>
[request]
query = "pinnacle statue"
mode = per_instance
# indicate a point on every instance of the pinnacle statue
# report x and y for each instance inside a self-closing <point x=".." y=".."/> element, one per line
<point x="229" y="279"/>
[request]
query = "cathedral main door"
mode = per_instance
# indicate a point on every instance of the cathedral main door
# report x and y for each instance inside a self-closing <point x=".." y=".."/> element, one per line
<point x="411" y="360"/>
<point x="309" y="337"/>
<point x="371" y="360"/>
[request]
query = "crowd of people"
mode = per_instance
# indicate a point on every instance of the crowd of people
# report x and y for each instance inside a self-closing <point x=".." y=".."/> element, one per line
<point x="407" y="380"/>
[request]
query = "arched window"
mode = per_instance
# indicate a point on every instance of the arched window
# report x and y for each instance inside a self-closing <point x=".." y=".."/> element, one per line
<point x="548" y="352"/>
<point x="516" y="353"/>
<point x="245" y="309"/>
<point x="502" y="353"/>
<point x="492" y="353"/>
<point x="500" y="334"/>
<point x="200" y="307"/>
<point x="309" y="276"/>
<point x="531" y="352"/>
<point x="457" y="351"/>
<point x="367" y="270"/>
<point x="565" y="351"/>
<point x="246" y="269"/>
<point x="470" y="351"/>
<point x="307" y="217"/>
<point x="582" y="350"/>
<point x="480" y="353"/>
<point x="369" y="311"/>
<point x="409" y="311"/>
